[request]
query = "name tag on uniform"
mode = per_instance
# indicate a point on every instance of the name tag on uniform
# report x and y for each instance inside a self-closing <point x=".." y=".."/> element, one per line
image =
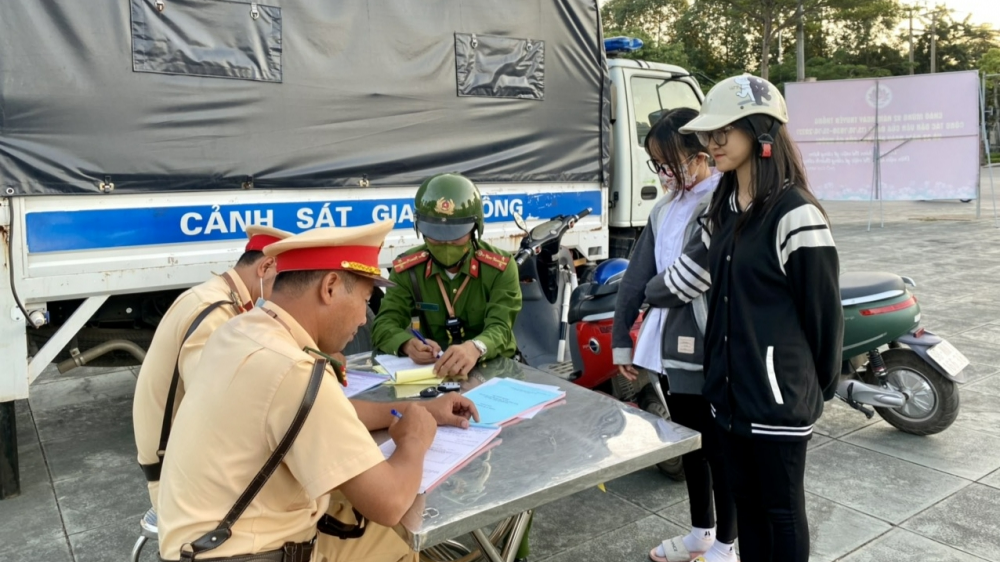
<point x="685" y="345"/>
<point x="429" y="306"/>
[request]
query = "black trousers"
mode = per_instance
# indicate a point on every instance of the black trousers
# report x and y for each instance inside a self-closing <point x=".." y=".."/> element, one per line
<point x="767" y="479"/>
<point x="691" y="410"/>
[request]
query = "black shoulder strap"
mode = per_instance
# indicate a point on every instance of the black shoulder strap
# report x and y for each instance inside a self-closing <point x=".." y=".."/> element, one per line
<point x="152" y="471"/>
<point x="223" y="531"/>
<point x="417" y="299"/>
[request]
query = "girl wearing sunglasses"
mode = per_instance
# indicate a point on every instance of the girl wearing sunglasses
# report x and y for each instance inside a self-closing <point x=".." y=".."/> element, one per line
<point x="775" y="322"/>
<point x="671" y="340"/>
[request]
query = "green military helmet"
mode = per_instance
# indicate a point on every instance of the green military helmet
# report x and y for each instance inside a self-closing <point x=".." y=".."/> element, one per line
<point x="448" y="206"/>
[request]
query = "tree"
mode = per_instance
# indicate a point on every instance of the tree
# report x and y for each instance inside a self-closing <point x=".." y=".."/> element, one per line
<point x="990" y="61"/>
<point x="650" y="21"/>
<point x="716" y="40"/>
<point x="960" y="44"/>
<point x="652" y="51"/>
<point x="990" y="65"/>
<point x="774" y="16"/>
<point x="653" y="17"/>
<point x="865" y="33"/>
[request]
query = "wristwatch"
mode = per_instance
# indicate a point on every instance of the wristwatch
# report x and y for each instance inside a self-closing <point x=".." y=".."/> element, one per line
<point x="480" y="346"/>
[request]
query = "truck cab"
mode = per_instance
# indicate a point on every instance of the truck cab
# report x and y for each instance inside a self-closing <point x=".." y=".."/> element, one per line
<point x="641" y="92"/>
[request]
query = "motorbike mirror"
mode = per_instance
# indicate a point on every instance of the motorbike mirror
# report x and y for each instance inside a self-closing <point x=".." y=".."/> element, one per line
<point x="520" y="222"/>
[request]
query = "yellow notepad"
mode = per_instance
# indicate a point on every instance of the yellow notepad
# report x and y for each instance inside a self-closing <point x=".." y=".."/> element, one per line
<point x="408" y="390"/>
<point x="404" y="371"/>
<point x="414" y="376"/>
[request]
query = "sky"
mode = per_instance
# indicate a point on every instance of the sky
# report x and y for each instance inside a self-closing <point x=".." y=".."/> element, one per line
<point x="983" y="11"/>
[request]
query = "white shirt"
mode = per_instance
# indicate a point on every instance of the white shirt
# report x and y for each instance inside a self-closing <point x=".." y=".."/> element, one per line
<point x="669" y="244"/>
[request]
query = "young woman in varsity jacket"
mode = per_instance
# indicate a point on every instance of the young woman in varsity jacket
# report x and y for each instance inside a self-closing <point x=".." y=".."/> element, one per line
<point x="775" y="322"/>
<point x="671" y="340"/>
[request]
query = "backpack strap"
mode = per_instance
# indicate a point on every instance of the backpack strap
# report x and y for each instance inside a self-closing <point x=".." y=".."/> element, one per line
<point x="213" y="539"/>
<point x="152" y="471"/>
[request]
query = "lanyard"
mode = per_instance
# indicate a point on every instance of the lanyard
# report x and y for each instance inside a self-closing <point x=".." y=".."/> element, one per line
<point x="444" y="294"/>
<point x="338" y="369"/>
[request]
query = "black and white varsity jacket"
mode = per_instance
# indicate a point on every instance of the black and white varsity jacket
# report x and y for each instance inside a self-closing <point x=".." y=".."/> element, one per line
<point x="775" y="323"/>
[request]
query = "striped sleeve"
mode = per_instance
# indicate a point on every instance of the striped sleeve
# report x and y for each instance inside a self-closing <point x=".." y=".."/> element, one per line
<point x="803" y="227"/>
<point x="687" y="278"/>
<point x="809" y="260"/>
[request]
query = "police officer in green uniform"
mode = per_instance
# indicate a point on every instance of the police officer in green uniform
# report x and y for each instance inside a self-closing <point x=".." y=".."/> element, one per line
<point x="465" y="292"/>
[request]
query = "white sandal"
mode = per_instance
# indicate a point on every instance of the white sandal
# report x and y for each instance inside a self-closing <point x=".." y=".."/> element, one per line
<point x="675" y="552"/>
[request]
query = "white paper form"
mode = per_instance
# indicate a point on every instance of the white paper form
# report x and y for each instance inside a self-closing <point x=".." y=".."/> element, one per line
<point x="358" y="382"/>
<point x="452" y="446"/>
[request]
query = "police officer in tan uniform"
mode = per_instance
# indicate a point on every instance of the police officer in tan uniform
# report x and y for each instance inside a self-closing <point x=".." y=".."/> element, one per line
<point x="236" y="291"/>
<point x="255" y="377"/>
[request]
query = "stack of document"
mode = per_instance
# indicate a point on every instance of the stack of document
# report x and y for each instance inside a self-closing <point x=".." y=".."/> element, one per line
<point x="503" y="400"/>
<point x="358" y="382"/>
<point x="451" y="450"/>
<point x="404" y="371"/>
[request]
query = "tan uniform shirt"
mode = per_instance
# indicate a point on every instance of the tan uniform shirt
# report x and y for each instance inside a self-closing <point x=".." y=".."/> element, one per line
<point x="240" y="401"/>
<point x="157" y="370"/>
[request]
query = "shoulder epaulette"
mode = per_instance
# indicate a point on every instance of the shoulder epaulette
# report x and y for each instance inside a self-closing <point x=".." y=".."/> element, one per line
<point x="402" y="263"/>
<point x="492" y="259"/>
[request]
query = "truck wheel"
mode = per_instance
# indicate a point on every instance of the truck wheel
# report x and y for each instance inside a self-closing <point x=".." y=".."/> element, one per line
<point x="10" y="477"/>
<point x="648" y="401"/>
<point x="932" y="400"/>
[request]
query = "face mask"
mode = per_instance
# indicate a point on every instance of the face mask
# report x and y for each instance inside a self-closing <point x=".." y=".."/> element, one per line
<point x="666" y="182"/>
<point x="670" y="183"/>
<point x="448" y="255"/>
<point x="689" y="179"/>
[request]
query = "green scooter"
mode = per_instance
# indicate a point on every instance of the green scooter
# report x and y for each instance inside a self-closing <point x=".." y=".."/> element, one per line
<point x="912" y="382"/>
<point x="908" y="374"/>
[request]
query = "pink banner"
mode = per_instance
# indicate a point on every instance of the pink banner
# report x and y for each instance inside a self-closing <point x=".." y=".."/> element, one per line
<point x="927" y="133"/>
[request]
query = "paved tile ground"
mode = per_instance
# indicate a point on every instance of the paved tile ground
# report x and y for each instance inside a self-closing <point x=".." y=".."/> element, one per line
<point x="874" y="494"/>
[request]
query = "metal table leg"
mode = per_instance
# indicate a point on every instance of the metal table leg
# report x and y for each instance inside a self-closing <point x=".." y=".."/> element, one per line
<point x="519" y="525"/>
<point x="486" y="546"/>
<point x="508" y="532"/>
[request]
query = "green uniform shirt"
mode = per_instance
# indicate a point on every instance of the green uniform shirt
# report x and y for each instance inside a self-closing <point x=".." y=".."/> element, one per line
<point x="487" y="307"/>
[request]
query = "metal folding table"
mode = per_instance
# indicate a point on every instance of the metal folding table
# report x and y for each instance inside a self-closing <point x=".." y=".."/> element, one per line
<point x="588" y="440"/>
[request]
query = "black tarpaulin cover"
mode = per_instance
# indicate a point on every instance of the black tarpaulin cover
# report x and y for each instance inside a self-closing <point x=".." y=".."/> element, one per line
<point x="174" y="95"/>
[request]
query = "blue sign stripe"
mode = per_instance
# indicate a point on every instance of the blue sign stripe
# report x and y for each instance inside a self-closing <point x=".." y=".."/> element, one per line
<point x="60" y="231"/>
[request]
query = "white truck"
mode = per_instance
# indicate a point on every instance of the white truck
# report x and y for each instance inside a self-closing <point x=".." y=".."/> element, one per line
<point x="139" y="138"/>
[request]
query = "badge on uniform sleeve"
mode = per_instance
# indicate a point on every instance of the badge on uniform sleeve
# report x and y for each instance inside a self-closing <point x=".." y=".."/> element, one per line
<point x="428" y="306"/>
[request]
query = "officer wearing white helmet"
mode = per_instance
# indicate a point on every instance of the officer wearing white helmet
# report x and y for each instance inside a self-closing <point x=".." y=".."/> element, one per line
<point x="775" y="323"/>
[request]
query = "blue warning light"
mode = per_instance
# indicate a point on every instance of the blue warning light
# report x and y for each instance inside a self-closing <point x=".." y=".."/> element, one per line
<point x="620" y="45"/>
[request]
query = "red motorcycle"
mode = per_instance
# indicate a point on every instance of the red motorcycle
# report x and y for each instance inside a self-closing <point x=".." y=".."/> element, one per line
<point x="558" y="315"/>
<point x="591" y="315"/>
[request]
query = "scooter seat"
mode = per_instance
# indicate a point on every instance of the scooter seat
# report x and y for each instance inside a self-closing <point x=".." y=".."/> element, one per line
<point x="857" y="288"/>
<point x="591" y="299"/>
